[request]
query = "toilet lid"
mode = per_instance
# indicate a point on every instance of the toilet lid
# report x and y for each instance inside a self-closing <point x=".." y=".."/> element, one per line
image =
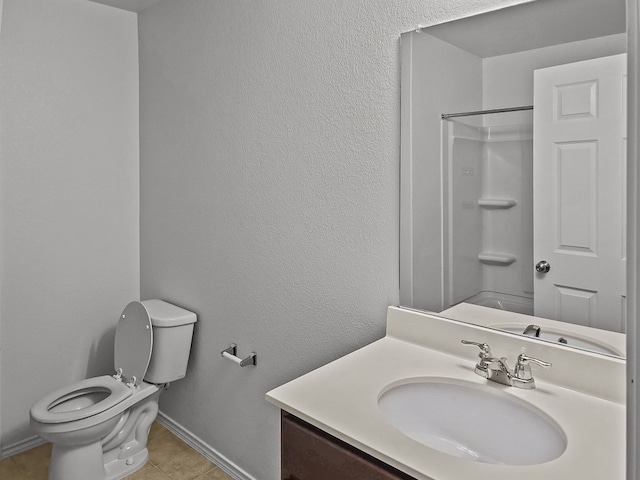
<point x="133" y="342"/>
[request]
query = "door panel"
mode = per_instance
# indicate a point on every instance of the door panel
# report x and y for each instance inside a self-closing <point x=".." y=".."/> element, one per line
<point x="579" y="191"/>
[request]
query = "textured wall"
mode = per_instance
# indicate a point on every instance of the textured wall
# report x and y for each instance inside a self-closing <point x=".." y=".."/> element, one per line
<point x="68" y="195"/>
<point x="269" y="192"/>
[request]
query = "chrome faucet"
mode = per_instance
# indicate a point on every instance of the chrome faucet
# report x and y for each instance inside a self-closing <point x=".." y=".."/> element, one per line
<point x="497" y="370"/>
<point x="532" y="331"/>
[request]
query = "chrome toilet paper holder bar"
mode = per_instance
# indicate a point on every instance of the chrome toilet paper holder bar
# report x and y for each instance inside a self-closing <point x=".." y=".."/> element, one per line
<point x="230" y="353"/>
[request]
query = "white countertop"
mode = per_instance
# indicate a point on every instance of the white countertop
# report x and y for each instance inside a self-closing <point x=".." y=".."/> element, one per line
<point x="341" y="398"/>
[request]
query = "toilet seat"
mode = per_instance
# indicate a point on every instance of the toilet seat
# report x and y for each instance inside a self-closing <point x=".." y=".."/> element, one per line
<point x="132" y="352"/>
<point x="62" y="406"/>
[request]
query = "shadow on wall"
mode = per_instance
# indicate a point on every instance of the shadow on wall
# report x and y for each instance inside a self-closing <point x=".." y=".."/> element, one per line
<point x="100" y="361"/>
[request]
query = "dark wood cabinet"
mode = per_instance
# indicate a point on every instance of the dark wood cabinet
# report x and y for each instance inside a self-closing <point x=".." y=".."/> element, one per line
<point x="309" y="453"/>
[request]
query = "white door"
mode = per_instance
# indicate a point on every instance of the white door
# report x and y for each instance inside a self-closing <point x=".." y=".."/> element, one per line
<point x="579" y="165"/>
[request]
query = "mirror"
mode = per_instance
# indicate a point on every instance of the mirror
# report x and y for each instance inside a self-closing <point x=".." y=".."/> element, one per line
<point x="513" y="171"/>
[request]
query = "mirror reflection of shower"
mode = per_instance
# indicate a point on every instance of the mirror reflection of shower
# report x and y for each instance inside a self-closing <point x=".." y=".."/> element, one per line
<point x="488" y="196"/>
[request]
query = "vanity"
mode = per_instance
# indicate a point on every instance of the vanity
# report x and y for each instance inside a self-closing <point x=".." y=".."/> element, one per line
<point x="417" y="404"/>
<point x="311" y="453"/>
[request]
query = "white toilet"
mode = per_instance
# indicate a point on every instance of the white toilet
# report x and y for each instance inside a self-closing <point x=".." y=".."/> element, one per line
<point x="99" y="426"/>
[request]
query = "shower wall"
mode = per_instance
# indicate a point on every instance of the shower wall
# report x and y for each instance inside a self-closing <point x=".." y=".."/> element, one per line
<point x="463" y="148"/>
<point x="508" y="175"/>
<point x="490" y="205"/>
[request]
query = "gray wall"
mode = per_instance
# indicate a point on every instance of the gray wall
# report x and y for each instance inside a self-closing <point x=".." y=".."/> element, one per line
<point x="508" y="79"/>
<point x="69" y="242"/>
<point x="439" y="78"/>
<point x="269" y="193"/>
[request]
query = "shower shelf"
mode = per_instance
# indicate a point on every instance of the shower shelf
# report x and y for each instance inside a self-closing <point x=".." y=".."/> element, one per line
<point x="503" y="259"/>
<point x="496" y="202"/>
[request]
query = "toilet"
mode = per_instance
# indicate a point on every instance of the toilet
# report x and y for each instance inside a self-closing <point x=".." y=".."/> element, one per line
<point x="99" y="426"/>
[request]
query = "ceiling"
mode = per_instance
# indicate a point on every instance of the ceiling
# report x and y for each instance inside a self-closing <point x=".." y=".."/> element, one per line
<point x="532" y="25"/>
<point x="132" y="5"/>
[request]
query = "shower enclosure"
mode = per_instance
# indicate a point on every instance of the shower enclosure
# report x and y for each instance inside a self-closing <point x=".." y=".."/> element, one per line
<point x="488" y="204"/>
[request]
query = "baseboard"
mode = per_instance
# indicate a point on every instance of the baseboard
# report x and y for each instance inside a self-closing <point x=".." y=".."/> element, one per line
<point x="22" y="446"/>
<point x="210" y="453"/>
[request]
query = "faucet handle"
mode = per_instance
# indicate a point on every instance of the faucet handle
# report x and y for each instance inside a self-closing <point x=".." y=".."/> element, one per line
<point x="482" y="366"/>
<point x="523" y="369"/>
<point x="485" y="349"/>
<point x="523" y="358"/>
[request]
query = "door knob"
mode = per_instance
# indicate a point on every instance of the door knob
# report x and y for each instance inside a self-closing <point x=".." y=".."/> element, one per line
<point x="543" y="266"/>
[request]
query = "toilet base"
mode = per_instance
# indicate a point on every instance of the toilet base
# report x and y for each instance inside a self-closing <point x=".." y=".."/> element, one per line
<point x="82" y="463"/>
<point x="76" y="463"/>
<point x="110" y="449"/>
<point x="118" y="469"/>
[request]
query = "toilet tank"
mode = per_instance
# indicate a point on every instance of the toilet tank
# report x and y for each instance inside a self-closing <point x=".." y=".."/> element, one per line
<point x="172" y="333"/>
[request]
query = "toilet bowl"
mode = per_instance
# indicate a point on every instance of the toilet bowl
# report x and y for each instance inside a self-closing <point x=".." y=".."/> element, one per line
<point x="99" y="426"/>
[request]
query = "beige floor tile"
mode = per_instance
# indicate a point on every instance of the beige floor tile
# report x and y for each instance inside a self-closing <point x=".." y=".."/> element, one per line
<point x="169" y="459"/>
<point x="164" y="448"/>
<point x="9" y="469"/>
<point x="34" y="463"/>
<point x="140" y="473"/>
<point x="148" y="472"/>
<point x="187" y="466"/>
<point x="158" y="429"/>
<point x="215" y="474"/>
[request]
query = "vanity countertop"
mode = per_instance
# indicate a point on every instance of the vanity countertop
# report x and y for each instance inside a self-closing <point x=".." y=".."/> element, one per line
<point x="583" y="392"/>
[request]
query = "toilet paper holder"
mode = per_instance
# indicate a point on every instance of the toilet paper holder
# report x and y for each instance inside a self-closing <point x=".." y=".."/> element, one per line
<point x="230" y="353"/>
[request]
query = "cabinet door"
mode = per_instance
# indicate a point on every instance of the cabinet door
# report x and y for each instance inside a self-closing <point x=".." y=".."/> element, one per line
<point x="308" y="453"/>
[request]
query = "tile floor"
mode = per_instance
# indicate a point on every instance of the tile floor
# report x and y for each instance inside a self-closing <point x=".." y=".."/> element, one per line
<point x="169" y="459"/>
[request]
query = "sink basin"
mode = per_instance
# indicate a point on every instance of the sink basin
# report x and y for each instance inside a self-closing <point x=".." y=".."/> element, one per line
<point x="473" y="421"/>
<point x="569" y="339"/>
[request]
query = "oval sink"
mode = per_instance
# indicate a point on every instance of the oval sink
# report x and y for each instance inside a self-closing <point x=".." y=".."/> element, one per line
<point x="567" y="338"/>
<point x="473" y="422"/>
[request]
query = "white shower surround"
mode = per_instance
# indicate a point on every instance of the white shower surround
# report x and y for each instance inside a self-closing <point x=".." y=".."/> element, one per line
<point x="488" y="188"/>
